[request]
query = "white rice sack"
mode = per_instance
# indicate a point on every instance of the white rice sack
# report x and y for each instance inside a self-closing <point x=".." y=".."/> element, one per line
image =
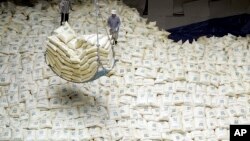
<point x="195" y="134"/>
<point x="170" y="88"/>
<point x="210" y="112"/>
<point x="145" y="111"/>
<point x="67" y="34"/>
<point x="54" y="80"/>
<point x="116" y="133"/>
<point x="215" y="80"/>
<point x="231" y="111"/>
<point x="148" y="81"/>
<point x="177" y="136"/>
<point x="72" y="112"/>
<point x="240" y="110"/>
<point x="17" y="134"/>
<point x="4" y="79"/>
<point x="38" y="74"/>
<point x="125" y="99"/>
<point x="187" y="99"/>
<point x="29" y="134"/>
<point x="160" y="78"/>
<point x="167" y="99"/>
<point x="141" y="72"/>
<point x="187" y="112"/>
<point x="33" y="124"/>
<point x="153" y="135"/>
<point x="193" y="77"/>
<point x="152" y="99"/>
<point x="242" y="100"/>
<point x="142" y="99"/>
<point x="129" y="79"/>
<point x="59" y="134"/>
<point x="191" y="67"/>
<point x="131" y="91"/>
<point x="43" y="104"/>
<point x="15" y="111"/>
<point x="180" y="86"/>
<point x="201" y="89"/>
<point x="76" y="43"/>
<point x="31" y="104"/>
<point x="53" y="91"/>
<point x="125" y="57"/>
<point x="246" y="78"/>
<point x="198" y="100"/>
<point x="45" y="122"/>
<point x="222" y="101"/>
<point x="43" y="134"/>
<point x="79" y="123"/>
<point x="205" y="78"/>
<point x="191" y="87"/>
<point x="3" y="114"/>
<point x="95" y="132"/>
<point x="3" y="68"/>
<point x="211" y="123"/>
<point x="188" y="124"/>
<point x="13" y="99"/>
<point x="42" y="93"/>
<point x="234" y="120"/>
<point x="113" y="99"/>
<point x="123" y="123"/>
<point x="69" y="124"/>
<point x="179" y="74"/>
<point x="243" y="120"/>
<point x="164" y="113"/>
<point x="178" y="98"/>
<point x="114" y="113"/>
<point x="222" y="134"/>
<point x="199" y="112"/>
<point x="212" y="90"/>
<point x="199" y="123"/>
<point x="175" y="123"/>
<point x="232" y="101"/>
<point x="239" y="88"/>
<point x="223" y="123"/>
<point x="57" y="124"/>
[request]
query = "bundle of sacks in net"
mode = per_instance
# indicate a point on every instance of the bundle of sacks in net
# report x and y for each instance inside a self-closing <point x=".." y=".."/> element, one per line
<point x="74" y="57"/>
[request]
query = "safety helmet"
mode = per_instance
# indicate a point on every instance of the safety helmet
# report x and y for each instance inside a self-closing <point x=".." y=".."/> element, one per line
<point x="113" y="11"/>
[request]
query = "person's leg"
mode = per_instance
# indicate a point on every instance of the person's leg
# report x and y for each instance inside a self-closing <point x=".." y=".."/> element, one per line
<point x="115" y="36"/>
<point x="112" y="36"/>
<point x="62" y="16"/>
<point x="67" y="17"/>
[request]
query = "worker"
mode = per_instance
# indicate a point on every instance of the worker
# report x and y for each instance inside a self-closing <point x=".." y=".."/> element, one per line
<point x="114" y="25"/>
<point x="64" y="7"/>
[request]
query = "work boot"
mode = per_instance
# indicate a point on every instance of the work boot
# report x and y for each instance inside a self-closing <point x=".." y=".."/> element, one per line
<point x="115" y="42"/>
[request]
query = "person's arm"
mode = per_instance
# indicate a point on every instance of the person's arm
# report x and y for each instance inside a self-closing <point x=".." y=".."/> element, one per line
<point x="70" y="6"/>
<point x="118" y="24"/>
<point x="60" y="7"/>
<point x="108" y="22"/>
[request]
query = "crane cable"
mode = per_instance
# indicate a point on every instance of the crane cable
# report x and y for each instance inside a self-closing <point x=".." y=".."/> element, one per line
<point x="97" y="34"/>
<point x="98" y="45"/>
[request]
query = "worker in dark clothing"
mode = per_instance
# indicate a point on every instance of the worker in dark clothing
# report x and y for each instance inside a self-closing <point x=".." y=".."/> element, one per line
<point x="65" y="6"/>
<point x="114" y="25"/>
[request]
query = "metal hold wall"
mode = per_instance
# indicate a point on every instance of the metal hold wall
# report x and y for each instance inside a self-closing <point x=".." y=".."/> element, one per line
<point x="175" y="13"/>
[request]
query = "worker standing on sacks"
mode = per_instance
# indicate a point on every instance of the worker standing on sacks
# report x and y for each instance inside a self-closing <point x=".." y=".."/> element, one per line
<point x="114" y="25"/>
<point x="64" y="7"/>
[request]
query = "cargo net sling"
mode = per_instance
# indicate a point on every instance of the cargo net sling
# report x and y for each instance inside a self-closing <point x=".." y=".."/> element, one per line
<point x="78" y="58"/>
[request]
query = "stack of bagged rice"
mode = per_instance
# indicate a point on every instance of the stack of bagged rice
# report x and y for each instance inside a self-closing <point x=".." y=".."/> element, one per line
<point x="75" y="58"/>
<point x="159" y="89"/>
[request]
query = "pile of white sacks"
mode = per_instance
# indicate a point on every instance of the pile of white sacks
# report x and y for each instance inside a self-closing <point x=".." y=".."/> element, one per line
<point x="158" y="90"/>
<point x="75" y="58"/>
